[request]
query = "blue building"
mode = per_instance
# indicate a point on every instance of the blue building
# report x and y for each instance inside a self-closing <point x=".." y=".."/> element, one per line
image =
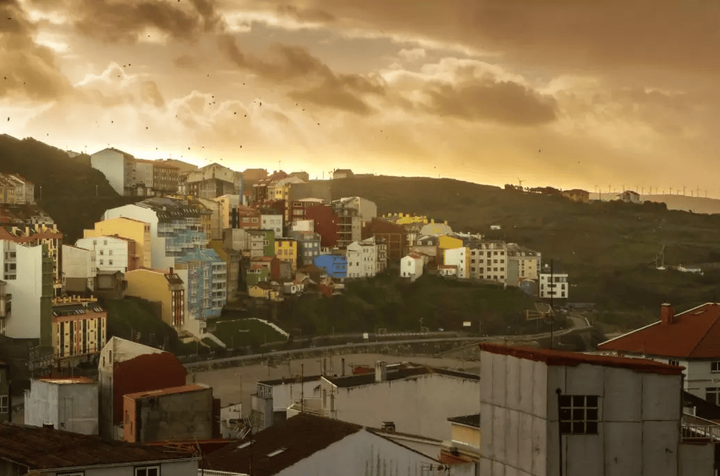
<point x="206" y="282"/>
<point x="334" y="265"/>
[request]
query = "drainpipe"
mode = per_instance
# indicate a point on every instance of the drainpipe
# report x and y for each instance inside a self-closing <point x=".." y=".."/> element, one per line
<point x="560" y="438"/>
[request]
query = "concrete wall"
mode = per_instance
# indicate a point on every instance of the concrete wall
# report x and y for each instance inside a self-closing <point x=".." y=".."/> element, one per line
<point x="697" y="460"/>
<point x="179" y="416"/>
<point x="419" y="405"/>
<point x="78" y="263"/>
<point x="26" y="291"/>
<point x="112" y="165"/>
<point x="639" y="414"/>
<point x="363" y="454"/>
<point x="183" y="468"/>
<point x="69" y="407"/>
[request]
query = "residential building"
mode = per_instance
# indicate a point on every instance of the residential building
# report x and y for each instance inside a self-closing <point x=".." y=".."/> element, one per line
<point x="128" y="367"/>
<point x="464" y="443"/>
<point x="297" y="209"/>
<point x="304" y="176"/>
<point x="308" y="246"/>
<point x="250" y="242"/>
<point x="255" y="275"/>
<point x="577" y="195"/>
<point x="307" y="444"/>
<point x="112" y="253"/>
<point x="118" y="167"/>
<point x="382" y="259"/>
<point x="366" y="209"/>
<point x="335" y="265"/>
<point x="42" y="452"/>
<point x="231" y="421"/>
<point x="395" y="237"/>
<point x="522" y="264"/>
<point x="166" y="177"/>
<point x="248" y="218"/>
<point x="183" y="167"/>
<point x="686" y="339"/>
<point x="16" y="190"/>
<point x="412" y="266"/>
<point x="143" y="179"/>
<point x="79" y="329"/>
<point x="449" y="242"/>
<point x="325" y="224"/>
<point x="212" y="181"/>
<point x="629" y="196"/>
<point x="267" y="291"/>
<point x="261" y="187"/>
<point x="216" y="217"/>
<point x="460" y="259"/>
<point x="5" y="393"/>
<point x="272" y="398"/>
<point x="66" y="403"/>
<point x="36" y="235"/>
<point x="78" y="269"/>
<point x="28" y="291"/>
<point x="270" y="219"/>
<point x="271" y="263"/>
<point x="433" y="228"/>
<point x="110" y="285"/>
<point x="303" y="225"/>
<point x="163" y="288"/>
<point x="170" y="414"/>
<point x="342" y="174"/>
<point x="131" y="229"/>
<point x="316" y="189"/>
<point x="280" y="189"/>
<point x="553" y="283"/>
<point x="286" y="249"/>
<point x="488" y="261"/>
<point x="228" y="210"/>
<point x="362" y="259"/>
<point x="551" y="412"/>
<point x="233" y="266"/>
<point x="204" y="273"/>
<point x="350" y="221"/>
<point x="398" y="393"/>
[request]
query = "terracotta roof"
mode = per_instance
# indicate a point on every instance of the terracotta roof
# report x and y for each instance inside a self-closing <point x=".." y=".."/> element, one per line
<point x="693" y="334"/>
<point x="572" y="359"/>
<point x="294" y="440"/>
<point x="39" y="448"/>
<point x="467" y="420"/>
<point x="164" y="391"/>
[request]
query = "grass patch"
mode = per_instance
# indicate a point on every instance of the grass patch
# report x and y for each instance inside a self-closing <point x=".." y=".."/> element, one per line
<point x="246" y="332"/>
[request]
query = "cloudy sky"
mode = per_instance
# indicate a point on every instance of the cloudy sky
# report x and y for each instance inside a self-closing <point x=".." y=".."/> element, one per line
<point x="573" y="93"/>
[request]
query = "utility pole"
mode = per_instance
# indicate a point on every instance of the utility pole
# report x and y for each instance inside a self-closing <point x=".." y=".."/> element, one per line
<point x="552" y="294"/>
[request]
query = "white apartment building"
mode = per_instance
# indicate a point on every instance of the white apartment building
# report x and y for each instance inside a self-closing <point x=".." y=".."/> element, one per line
<point x="553" y="285"/>
<point x="522" y="264"/>
<point x="111" y="253"/>
<point x="361" y="259"/>
<point x="488" y="261"/>
<point x="458" y="257"/>
<point x="274" y="223"/>
<point x="688" y="339"/>
<point x="228" y="203"/>
<point x="546" y="412"/>
<point x="66" y="403"/>
<point x="118" y="167"/>
<point x="412" y="266"/>
<point x="78" y="269"/>
<point x="272" y="398"/>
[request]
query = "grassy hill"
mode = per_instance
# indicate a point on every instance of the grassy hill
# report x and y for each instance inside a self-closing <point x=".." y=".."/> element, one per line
<point x="609" y="248"/>
<point x="74" y="194"/>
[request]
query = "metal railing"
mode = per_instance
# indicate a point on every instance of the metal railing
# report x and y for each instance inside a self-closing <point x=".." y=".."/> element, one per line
<point x="696" y="428"/>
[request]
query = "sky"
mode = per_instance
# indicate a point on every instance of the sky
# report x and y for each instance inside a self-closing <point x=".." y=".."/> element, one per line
<point x="569" y="93"/>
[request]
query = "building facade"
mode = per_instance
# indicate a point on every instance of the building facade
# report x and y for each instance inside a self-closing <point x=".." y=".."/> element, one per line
<point x="79" y="329"/>
<point x="112" y="253"/>
<point x="553" y="285"/>
<point x="361" y="259"/>
<point x="335" y="265"/>
<point x="522" y="264"/>
<point x="459" y="258"/>
<point x="286" y="249"/>
<point x="78" y="269"/>
<point x="394" y="236"/>
<point x="308" y="246"/>
<point x="412" y="266"/>
<point x="118" y="167"/>
<point x="128" y="228"/>
<point x="163" y="287"/>
<point x="16" y="190"/>
<point x="489" y="261"/>
<point x="68" y="404"/>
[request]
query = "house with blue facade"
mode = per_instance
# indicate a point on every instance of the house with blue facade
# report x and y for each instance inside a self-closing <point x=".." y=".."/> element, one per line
<point x="334" y="265"/>
<point x="207" y="283"/>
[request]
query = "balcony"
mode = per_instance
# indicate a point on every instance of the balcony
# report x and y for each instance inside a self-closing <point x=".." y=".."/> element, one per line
<point x="699" y="429"/>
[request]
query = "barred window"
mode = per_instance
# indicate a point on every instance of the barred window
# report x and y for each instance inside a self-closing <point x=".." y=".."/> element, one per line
<point x="579" y="414"/>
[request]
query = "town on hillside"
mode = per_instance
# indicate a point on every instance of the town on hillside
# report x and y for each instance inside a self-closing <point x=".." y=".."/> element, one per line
<point x="136" y="347"/>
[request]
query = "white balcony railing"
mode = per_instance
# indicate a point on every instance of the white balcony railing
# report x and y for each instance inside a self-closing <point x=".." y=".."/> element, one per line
<point x="696" y="428"/>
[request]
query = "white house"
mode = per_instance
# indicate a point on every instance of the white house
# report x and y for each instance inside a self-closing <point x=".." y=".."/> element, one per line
<point x="522" y="264"/>
<point x="361" y="259"/>
<point x="118" y="167"/>
<point x="311" y="445"/>
<point x="629" y="196"/>
<point x="548" y="412"/>
<point x="112" y="253"/>
<point x="458" y="257"/>
<point x="69" y="403"/>
<point x="78" y="269"/>
<point x="688" y="339"/>
<point x="273" y="397"/>
<point x="488" y="260"/>
<point x="272" y="222"/>
<point x="553" y="284"/>
<point x="417" y="399"/>
<point x="411" y="266"/>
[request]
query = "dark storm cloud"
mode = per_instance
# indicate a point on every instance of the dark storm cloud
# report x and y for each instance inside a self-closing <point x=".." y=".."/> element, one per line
<point x="27" y="68"/>
<point x="485" y="99"/>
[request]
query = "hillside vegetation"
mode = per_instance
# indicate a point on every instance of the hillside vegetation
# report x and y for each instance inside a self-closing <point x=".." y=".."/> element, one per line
<point x="609" y="248"/>
<point x="74" y="194"/>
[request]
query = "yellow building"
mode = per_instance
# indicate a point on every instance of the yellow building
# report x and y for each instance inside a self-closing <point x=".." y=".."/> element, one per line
<point x="265" y="291"/>
<point x="449" y="243"/>
<point x="286" y="250"/>
<point x="128" y="228"/>
<point x="408" y="219"/>
<point x="164" y="287"/>
<point x="79" y="327"/>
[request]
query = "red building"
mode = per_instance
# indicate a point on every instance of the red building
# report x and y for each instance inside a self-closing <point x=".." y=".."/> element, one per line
<point x="271" y="263"/>
<point x="395" y="237"/>
<point x="326" y="224"/>
<point x="248" y="218"/>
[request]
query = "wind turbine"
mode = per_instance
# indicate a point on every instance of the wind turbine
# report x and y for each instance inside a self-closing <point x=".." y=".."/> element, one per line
<point x="520" y="182"/>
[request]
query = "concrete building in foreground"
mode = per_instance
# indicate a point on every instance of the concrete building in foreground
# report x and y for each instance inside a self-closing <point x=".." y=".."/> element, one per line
<point x="546" y="412"/>
<point x="69" y="404"/>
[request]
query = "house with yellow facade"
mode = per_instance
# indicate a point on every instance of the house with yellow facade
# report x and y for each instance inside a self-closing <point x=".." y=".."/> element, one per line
<point x="265" y="291"/>
<point x="286" y="250"/>
<point x="163" y="287"/>
<point x="128" y="228"/>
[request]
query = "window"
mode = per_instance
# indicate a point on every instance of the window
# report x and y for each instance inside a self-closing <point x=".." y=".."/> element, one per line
<point x="579" y="414"/>
<point x="3" y="403"/>
<point x="715" y="367"/>
<point x="110" y="262"/>
<point x="712" y="395"/>
<point x="110" y="252"/>
<point x="148" y="471"/>
<point x="675" y="362"/>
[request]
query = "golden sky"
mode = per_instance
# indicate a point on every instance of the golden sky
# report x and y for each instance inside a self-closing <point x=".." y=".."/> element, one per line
<point x="571" y="93"/>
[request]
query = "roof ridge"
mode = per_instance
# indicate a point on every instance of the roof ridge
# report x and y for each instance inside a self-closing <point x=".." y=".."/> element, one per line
<point x="700" y="341"/>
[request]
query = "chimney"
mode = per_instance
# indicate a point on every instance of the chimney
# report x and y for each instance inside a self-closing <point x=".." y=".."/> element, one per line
<point x="380" y="372"/>
<point x="171" y="270"/>
<point x="667" y="314"/>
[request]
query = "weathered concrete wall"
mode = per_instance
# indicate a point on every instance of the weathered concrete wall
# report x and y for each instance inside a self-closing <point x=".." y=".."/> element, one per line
<point x="184" y="468"/>
<point x="69" y="407"/>
<point x="696" y="460"/>
<point x="180" y="416"/>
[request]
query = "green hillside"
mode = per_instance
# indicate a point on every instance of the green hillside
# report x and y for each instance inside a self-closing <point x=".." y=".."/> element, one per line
<point x="74" y="194"/>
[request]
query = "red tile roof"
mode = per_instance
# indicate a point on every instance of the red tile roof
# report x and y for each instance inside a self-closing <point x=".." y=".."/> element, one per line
<point x="572" y="359"/>
<point x="693" y="334"/>
<point x="164" y="391"/>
